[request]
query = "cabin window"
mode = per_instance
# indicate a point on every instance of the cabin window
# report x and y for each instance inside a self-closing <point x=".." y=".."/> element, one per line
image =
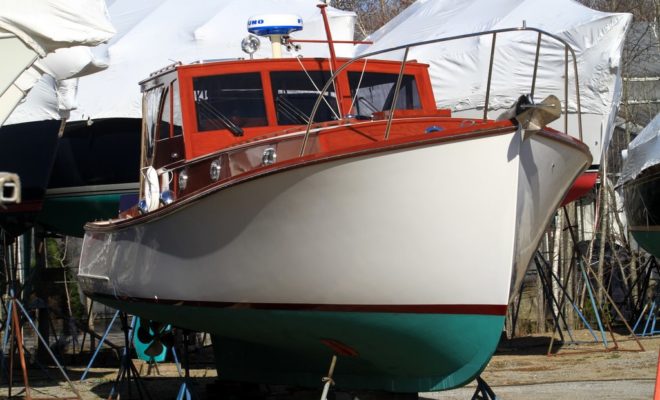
<point x="151" y="103"/>
<point x="373" y="92"/>
<point x="164" y="126"/>
<point x="171" y="113"/>
<point x="295" y="93"/>
<point x="229" y="101"/>
<point x="177" y="119"/>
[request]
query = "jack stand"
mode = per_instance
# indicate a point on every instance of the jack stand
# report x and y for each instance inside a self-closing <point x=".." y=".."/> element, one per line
<point x="650" y="319"/>
<point x="98" y="348"/>
<point x="483" y="392"/>
<point x="16" y="331"/>
<point x="184" y="390"/>
<point x="152" y="365"/>
<point x="127" y="370"/>
<point x="328" y="379"/>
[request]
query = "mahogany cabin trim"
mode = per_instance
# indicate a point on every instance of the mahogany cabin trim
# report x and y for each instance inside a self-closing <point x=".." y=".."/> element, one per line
<point x="198" y="143"/>
<point x="172" y="140"/>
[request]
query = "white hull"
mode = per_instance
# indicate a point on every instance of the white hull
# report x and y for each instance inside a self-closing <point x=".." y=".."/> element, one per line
<point x="443" y="224"/>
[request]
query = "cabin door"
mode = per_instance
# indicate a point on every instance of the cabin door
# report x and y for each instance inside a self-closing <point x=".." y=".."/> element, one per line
<point x="169" y="134"/>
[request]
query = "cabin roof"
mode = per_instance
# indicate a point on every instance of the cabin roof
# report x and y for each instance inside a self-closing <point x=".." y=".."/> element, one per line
<point x="203" y="68"/>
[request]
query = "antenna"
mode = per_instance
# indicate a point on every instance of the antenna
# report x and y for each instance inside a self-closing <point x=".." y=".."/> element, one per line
<point x="274" y="26"/>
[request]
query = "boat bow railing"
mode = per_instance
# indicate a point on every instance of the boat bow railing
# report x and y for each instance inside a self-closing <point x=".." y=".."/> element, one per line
<point x="494" y="33"/>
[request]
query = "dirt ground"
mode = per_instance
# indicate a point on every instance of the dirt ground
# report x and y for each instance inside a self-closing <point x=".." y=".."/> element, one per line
<point x="521" y="369"/>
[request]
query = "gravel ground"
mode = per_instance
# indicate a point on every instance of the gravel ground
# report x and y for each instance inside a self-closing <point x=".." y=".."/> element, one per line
<point x="521" y="369"/>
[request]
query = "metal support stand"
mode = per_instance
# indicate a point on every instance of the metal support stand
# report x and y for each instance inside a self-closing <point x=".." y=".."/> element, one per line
<point x="89" y="315"/>
<point x="152" y="365"/>
<point x="184" y="390"/>
<point x="328" y="379"/>
<point x="586" y="269"/>
<point x="98" y="348"/>
<point x="639" y="305"/>
<point x="649" y="325"/>
<point x="547" y="289"/>
<point x="127" y="371"/>
<point x="543" y="267"/>
<point x="483" y="392"/>
<point x="15" y="330"/>
<point x="649" y="311"/>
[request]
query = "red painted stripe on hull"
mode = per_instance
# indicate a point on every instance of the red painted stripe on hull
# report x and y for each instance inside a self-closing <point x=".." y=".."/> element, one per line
<point x="478" y="309"/>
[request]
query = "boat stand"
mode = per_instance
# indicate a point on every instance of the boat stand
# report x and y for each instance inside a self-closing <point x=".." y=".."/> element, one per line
<point x="13" y="329"/>
<point x="328" y="379"/>
<point x="649" y="311"/>
<point x="185" y="389"/>
<point x="588" y="272"/>
<point x="98" y="348"/>
<point x="483" y="392"/>
<point x="127" y="372"/>
<point x="547" y="277"/>
<point x="14" y="334"/>
<point x="651" y="319"/>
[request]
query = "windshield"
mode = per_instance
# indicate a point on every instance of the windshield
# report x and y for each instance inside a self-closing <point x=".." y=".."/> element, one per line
<point x="295" y="94"/>
<point x="374" y="91"/>
<point x="229" y="102"/>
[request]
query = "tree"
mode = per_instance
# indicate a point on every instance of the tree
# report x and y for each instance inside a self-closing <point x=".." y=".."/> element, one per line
<point x="372" y="14"/>
<point x="640" y="59"/>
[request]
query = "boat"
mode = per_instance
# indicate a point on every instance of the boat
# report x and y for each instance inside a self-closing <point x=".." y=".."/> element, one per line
<point x="298" y="214"/>
<point x="88" y="180"/>
<point x="27" y="150"/>
<point x="640" y="182"/>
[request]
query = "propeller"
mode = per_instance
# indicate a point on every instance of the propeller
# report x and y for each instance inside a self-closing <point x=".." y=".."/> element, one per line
<point x="156" y="336"/>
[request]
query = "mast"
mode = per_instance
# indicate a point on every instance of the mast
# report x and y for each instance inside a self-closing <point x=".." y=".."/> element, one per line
<point x="333" y="58"/>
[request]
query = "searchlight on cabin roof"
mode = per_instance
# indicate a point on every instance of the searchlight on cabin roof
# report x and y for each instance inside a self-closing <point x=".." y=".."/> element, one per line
<point x="274" y="26"/>
<point x="250" y="44"/>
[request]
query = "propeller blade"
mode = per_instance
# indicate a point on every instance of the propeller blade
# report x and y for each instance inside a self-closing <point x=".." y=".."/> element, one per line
<point x="155" y="326"/>
<point x="154" y="349"/>
<point x="143" y="334"/>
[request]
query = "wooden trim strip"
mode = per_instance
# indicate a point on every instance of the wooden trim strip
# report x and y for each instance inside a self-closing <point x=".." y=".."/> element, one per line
<point x="471" y="309"/>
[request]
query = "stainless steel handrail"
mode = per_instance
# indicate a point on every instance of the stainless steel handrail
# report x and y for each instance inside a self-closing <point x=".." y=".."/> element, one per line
<point x="494" y="32"/>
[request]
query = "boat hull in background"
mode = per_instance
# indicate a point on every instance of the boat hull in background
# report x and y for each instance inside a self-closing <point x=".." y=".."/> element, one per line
<point x="95" y="165"/>
<point x="642" y="205"/>
<point x="27" y="149"/>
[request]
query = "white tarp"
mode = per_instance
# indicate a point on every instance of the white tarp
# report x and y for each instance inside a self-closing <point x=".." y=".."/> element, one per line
<point x="47" y="36"/>
<point x="154" y="33"/>
<point x="459" y="70"/>
<point x="643" y="152"/>
<point x="47" y="25"/>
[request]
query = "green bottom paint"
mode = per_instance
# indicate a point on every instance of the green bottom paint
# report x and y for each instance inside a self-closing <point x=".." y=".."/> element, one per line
<point x="68" y="215"/>
<point x="397" y="352"/>
<point x="648" y="240"/>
